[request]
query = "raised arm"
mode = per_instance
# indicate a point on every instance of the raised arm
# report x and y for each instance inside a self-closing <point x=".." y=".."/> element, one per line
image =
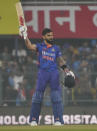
<point x="30" y="45"/>
<point x="23" y="33"/>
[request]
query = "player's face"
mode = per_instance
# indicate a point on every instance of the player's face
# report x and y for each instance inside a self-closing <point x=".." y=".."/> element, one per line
<point x="49" y="37"/>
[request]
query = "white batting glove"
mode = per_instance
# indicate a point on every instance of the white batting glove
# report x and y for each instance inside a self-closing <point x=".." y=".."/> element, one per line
<point x="23" y="31"/>
<point x="70" y="73"/>
<point x="24" y="35"/>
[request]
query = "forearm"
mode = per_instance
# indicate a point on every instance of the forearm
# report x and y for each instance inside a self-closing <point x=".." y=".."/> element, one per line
<point x="29" y="44"/>
<point x="23" y="33"/>
<point x="61" y="61"/>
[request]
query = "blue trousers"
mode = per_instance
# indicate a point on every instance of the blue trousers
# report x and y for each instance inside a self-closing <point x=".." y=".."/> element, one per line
<point x="45" y="77"/>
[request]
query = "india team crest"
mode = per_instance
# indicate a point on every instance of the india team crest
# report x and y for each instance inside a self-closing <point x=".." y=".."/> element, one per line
<point x="53" y="50"/>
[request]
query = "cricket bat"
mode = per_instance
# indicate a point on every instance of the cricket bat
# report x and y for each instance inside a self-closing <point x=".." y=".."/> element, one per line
<point x="21" y="18"/>
<point x="20" y="14"/>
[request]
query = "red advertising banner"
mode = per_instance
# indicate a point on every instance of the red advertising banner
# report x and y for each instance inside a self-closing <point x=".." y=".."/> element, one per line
<point x="65" y="21"/>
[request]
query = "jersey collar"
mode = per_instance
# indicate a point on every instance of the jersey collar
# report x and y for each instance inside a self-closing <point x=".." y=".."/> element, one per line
<point x="48" y="46"/>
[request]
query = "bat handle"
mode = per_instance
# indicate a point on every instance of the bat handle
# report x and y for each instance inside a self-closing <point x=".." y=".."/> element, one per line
<point x="25" y="37"/>
<point x="23" y="31"/>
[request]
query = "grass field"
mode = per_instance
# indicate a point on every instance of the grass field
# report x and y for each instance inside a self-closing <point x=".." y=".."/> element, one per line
<point x="50" y="128"/>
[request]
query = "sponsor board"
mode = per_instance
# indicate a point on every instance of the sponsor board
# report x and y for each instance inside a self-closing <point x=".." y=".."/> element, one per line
<point x="79" y="21"/>
<point x="48" y="119"/>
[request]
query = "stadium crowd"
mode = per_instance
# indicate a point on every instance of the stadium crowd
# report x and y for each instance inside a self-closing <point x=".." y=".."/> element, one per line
<point x="18" y="70"/>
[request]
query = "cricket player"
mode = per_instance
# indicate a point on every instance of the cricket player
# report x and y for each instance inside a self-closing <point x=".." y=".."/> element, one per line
<point x="48" y="56"/>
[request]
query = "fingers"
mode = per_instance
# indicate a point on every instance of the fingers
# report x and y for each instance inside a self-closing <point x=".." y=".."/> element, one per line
<point x="25" y="35"/>
<point x="66" y="70"/>
<point x="70" y="73"/>
<point x="23" y="31"/>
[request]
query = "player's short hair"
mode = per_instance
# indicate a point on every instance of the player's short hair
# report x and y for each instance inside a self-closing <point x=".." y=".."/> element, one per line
<point x="46" y="30"/>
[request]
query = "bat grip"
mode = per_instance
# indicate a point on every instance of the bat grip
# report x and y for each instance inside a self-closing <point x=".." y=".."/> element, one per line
<point x="25" y="37"/>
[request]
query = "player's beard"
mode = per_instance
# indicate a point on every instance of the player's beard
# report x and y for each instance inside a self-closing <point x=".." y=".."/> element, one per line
<point x="51" y="41"/>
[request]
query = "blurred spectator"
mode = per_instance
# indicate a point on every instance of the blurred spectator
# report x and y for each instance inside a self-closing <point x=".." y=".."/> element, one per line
<point x="19" y="74"/>
<point x="21" y="97"/>
<point x="20" y="54"/>
<point x="29" y="89"/>
<point x="18" y="79"/>
<point x="29" y="71"/>
<point x="6" y="56"/>
<point x="93" y="43"/>
<point x="76" y="64"/>
<point x="5" y="74"/>
<point x="93" y="74"/>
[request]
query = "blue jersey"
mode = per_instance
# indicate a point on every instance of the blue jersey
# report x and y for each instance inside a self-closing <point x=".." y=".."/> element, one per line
<point x="47" y="56"/>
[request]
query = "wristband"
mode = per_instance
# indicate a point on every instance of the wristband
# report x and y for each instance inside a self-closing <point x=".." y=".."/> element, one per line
<point x="63" y="66"/>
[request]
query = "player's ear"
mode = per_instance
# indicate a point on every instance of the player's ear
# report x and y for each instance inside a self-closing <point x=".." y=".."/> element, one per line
<point x="43" y="36"/>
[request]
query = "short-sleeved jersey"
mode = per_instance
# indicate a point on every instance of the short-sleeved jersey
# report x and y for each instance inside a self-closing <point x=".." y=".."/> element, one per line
<point x="47" y="56"/>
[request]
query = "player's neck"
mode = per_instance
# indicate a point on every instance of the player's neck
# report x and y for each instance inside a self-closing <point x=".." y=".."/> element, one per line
<point x="46" y="43"/>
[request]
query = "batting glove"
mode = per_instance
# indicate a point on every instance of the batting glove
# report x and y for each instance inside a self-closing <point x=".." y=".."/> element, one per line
<point x="23" y="31"/>
<point x="70" y="73"/>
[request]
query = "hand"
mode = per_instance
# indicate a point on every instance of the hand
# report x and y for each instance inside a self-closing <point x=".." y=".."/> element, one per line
<point x="69" y="72"/>
<point x="69" y="80"/>
<point x="23" y="31"/>
<point x="24" y="35"/>
<point x="66" y="70"/>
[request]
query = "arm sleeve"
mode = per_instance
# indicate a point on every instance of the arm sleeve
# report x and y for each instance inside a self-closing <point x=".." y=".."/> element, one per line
<point x="38" y="46"/>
